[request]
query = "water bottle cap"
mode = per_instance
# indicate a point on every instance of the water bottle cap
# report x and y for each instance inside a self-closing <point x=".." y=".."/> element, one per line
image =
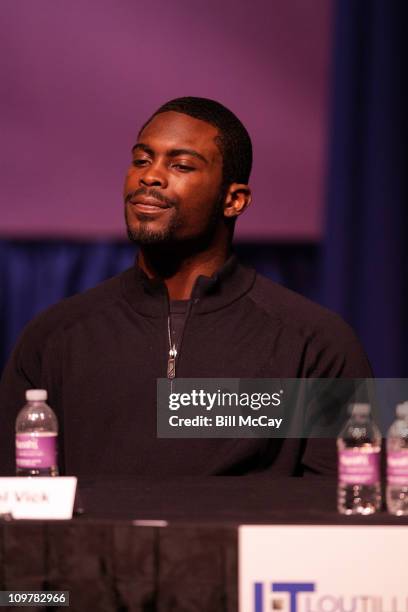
<point x="360" y="409"/>
<point x="402" y="410"/>
<point x="36" y="395"/>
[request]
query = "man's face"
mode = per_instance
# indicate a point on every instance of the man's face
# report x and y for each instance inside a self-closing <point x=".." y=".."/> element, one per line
<point x="172" y="189"/>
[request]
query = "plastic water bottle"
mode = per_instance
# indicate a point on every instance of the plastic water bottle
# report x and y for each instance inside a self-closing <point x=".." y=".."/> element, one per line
<point x="359" y="448"/>
<point x="36" y="437"/>
<point x="397" y="463"/>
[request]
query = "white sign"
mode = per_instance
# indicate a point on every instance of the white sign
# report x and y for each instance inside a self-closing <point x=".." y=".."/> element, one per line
<point x="38" y="498"/>
<point x="323" y="568"/>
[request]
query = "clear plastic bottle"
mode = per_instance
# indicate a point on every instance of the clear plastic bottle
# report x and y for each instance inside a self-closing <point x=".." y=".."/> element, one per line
<point x="397" y="463"/>
<point x="36" y="437"/>
<point x="359" y="448"/>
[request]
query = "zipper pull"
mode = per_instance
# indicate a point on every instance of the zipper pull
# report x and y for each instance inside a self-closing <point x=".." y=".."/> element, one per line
<point x="171" y="363"/>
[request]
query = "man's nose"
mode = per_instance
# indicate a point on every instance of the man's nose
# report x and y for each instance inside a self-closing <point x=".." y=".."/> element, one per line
<point x="153" y="176"/>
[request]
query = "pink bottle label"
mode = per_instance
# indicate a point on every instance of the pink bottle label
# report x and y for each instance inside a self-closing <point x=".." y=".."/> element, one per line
<point x="397" y="468"/>
<point x="359" y="467"/>
<point x="36" y="450"/>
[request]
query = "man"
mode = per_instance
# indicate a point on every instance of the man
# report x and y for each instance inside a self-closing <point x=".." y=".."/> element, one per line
<point x="187" y="309"/>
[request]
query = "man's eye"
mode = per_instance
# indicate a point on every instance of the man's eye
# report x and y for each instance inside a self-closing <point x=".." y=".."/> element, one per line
<point x="183" y="167"/>
<point x="139" y="162"/>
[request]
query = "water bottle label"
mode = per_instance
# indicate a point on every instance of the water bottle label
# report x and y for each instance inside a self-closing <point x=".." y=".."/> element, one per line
<point x="397" y="468"/>
<point x="359" y="467"/>
<point x="36" y="451"/>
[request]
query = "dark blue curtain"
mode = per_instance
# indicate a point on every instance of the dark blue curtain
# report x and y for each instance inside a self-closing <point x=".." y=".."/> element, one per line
<point x="365" y="255"/>
<point x="34" y="275"/>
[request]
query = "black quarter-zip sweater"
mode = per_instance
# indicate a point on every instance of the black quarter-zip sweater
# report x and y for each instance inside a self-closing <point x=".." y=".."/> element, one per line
<point x="99" y="354"/>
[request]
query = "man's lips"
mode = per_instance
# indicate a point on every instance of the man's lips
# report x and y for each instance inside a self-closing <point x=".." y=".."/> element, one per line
<point x="148" y="205"/>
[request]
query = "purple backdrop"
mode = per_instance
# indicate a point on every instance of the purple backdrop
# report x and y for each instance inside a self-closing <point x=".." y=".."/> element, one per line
<point x="80" y="76"/>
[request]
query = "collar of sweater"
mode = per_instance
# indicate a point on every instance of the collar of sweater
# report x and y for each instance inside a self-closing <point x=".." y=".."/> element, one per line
<point x="150" y="297"/>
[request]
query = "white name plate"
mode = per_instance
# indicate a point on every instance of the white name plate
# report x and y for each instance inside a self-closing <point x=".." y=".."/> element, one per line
<point x="38" y="498"/>
<point x="323" y="568"/>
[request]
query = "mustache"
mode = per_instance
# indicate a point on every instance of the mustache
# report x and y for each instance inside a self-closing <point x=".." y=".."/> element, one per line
<point x="150" y="193"/>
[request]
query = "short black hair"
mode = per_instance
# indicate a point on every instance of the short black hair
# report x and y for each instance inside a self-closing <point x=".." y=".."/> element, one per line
<point x="233" y="139"/>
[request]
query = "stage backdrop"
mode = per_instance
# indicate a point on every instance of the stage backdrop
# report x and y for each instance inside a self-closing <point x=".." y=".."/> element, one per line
<point x="79" y="78"/>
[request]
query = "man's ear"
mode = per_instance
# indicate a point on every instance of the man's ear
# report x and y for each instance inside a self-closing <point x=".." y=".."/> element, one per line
<point x="238" y="198"/>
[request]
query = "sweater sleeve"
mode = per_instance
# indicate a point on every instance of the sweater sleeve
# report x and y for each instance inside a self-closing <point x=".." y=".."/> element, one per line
<point x="22" y="372"/>
<point x="334" y="351"/>
<point x="337" y="355"/>
<point x="35" y="363"/>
